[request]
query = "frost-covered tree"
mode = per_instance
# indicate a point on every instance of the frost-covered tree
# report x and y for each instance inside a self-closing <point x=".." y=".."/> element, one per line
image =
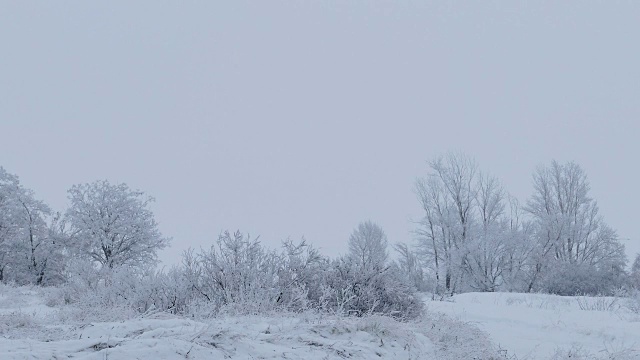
<point x="410" y="265"/>
<point x="574" y="244"/>
<point x="487" y="246"/>
<point x="28" y="251"/>
<point x="368" y="246"/>
<point x="34" y="237"/>
<point x="448" y="198"/>
<point x="473" y="236"/>
<point x="519" y="248"/>
<point x="8" y="224"/>
<point x="112" y="225"/>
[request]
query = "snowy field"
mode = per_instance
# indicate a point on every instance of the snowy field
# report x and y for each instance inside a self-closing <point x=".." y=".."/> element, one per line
<point x="34" y="326"/>
<point x="536" y="326"/>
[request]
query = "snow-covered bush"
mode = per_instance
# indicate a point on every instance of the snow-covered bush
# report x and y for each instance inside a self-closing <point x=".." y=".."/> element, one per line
<point x="300" y="276"/>
<point x="571" y="279"/>
<point x="125" y="290"/>
<point x="239" y="276"/>
<point x="350" y="291"/>
<point x="236" y="273"/>
<point x="364" y="282"/>
<point x="598" y="303"/>
<point x="456" y="339"/>
<point x="578" y="353"/>
<point x="15" y="319"/>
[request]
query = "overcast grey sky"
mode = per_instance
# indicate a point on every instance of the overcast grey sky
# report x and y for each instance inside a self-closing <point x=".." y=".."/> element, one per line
<point x="291" y="118"/>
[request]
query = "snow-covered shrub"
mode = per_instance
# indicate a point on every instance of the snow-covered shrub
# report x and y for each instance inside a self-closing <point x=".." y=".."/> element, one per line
<point x="300" y="276"/>
<point x="578" y="353"/>
<point x="574" y="352"/>
<point x="15" y="319"/>
<point x="365" y="283"/>
<point x="238" y="276"/>
<point x="125" y="290"/>
<point x="598" y="303"/>
<point x="57" y="296"/>
<point x="570" y="279"/>
<point x="384" y="290"/>
<point x="456" y="339"/>
<point x="237" y="273"/>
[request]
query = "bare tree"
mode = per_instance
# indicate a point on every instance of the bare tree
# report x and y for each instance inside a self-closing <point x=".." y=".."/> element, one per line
<point x="520" y="248"/>
<point x="368" y="246"/>
<point x="448" y="196"/>
<point x="410" y="266"/>
<point x="487" y="247"/>
<point x="113" y="226"/>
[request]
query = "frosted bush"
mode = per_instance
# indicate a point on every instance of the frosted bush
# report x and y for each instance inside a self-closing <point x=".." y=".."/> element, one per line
<point x="598" y="303"/>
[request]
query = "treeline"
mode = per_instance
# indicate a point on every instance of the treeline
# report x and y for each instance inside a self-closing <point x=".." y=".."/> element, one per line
<point x="472" y="236"/>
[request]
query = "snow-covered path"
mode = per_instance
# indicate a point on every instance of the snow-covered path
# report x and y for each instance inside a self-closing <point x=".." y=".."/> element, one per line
<point x="535" y="326"/>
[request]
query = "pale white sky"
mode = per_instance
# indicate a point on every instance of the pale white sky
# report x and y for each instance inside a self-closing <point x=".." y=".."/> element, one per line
<point x="291" y="118"/>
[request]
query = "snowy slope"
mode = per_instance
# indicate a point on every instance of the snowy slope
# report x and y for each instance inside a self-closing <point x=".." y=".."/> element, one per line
<point x="536" y="326"/>
<point x="29" y="329"/>
<point x="242" y="338"/>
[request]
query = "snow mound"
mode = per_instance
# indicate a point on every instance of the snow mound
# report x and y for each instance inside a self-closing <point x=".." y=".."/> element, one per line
<point x="249" y="337"/>
<point x="33" y="327"/>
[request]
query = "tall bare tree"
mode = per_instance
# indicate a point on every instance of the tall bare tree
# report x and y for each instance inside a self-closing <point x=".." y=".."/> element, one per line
<point x="368" y="246"/>
<point x="487" y="247"/>
<point x="448" y="196"/>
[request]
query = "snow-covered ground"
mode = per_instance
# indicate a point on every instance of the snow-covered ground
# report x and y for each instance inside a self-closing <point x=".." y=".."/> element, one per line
<point x="35" y="325"/>
<point x="536" y="326"/>
<point x="167" y="337"/>
<point x="29" y="329"/>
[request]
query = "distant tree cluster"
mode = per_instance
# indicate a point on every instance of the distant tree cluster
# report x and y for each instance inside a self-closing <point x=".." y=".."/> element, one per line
<point x="474" y="237"/>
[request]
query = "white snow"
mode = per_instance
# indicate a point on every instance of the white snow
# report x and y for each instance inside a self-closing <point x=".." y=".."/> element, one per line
<point x="537" y="326"/>
<point x="524" y="326"/>
<point x="31" y="330"/>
